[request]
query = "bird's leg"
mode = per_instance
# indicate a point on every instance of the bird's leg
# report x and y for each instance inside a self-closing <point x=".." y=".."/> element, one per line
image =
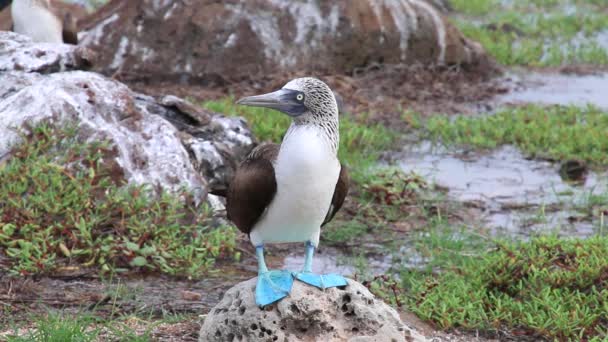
<point x="272" y="285"/>
<point x="310" y="250"/>
<point x="321" y="281"/>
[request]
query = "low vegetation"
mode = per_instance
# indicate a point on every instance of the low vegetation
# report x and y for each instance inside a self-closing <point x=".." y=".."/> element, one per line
<point x="56" y="328"/>
<point x="537" y="32"/>
<point x="62" y="207"/>
<point x="85" y="327"/>
<point x="386" y="197"/>
<point x="558" y="133"/>
<point x="547" y="287"/>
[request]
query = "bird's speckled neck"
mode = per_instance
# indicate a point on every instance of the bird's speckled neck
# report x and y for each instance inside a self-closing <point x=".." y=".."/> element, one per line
<point x="322" y="109"/>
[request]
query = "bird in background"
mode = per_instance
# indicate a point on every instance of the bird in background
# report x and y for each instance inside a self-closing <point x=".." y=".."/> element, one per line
<point x="37" y="19"/>
<point x="285" y="193"/>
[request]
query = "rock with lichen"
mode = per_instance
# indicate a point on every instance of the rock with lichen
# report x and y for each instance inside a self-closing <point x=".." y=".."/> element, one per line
<point x="166" y="143"/>
<point x="350" y="314"/>
<point x="214" y="42"/>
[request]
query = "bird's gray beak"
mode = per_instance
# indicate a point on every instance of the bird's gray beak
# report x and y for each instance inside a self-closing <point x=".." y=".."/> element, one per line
<point x="283" y="100"/>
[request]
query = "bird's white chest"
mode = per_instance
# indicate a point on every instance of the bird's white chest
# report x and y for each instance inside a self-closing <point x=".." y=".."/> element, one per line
<point x="306" y="171"/>
<point x="36" y="22"/>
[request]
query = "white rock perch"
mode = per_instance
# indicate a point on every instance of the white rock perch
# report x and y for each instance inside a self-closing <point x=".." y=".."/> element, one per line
<point x="351" y="314"/>
<point x="168" y="144"/>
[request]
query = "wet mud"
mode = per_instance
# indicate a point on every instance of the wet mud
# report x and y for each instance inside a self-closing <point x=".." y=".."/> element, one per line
<point x="515" y="196"/>
<point x="555" y="89"/>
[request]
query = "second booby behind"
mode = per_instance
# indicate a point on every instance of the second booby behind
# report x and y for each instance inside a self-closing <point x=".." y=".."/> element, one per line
<point x="36" y="19"/>
<point x="285" y="193"/>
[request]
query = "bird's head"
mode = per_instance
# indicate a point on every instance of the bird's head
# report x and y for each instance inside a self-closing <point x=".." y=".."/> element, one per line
<point x="305" y="100"/>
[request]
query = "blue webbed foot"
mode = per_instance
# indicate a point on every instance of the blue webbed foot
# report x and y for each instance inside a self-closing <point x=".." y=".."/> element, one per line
<point x="321" y="281"/>
<point x="272" y="286"/>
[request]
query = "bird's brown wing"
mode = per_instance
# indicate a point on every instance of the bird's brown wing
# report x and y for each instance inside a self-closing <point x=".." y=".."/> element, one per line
<point x="340" y="193"/>
<point x="70" y="30"/>
<point x="252" y="188"/>
<point x="70" y="37"/>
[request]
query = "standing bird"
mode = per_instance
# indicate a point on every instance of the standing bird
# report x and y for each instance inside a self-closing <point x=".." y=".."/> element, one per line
<point x="285" y="193"/>
<point x="36" y="19"/>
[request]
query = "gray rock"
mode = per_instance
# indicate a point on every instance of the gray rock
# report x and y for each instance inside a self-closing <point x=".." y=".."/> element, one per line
<point x="214" y="142"/>
<point x="308" y="314"/>
<point x="18" y="52"/>
<point x="148" y="148"/>
<point x="169" y="144"/>
<point x="214" y="42"/>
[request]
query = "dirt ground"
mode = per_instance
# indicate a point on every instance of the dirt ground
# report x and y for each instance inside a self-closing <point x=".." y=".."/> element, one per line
<point x="382" y="91"/>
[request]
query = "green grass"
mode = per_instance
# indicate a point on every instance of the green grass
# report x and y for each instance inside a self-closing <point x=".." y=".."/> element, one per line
<point x="84" y="327"/>
<point x="474" y="7"/>
<point x="82" y="215"/>
<point x="57" y="328"/>
<point x="548" y="287"/>
<point x="536" y="32"/>
<point x="559" y="133"/>
<point x="385" y="197"/>
<point x="360" y="143"/>
<point x="344" y="231"/>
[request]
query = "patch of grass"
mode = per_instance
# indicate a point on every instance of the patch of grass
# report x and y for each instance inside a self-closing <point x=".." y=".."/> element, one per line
<point x="61" y="204"/>
<point x="385" y="197"/>
<point x="559" y="133"/>
<point x="360" y="143"/>
<point x="537" y="32"/>
<point x="547" y="287"/>
<point x="122" y="330"/>
<point x="344" y="231"/>
<point x="57" y="328"/>
<point x="474" y="7"/>
<point x="389" y="195"/>
<point x="83" y="327"/>
<point x="439" y="246"/>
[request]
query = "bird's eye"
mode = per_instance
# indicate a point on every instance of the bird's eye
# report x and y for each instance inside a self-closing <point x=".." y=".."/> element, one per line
<point x="300" y="97"/>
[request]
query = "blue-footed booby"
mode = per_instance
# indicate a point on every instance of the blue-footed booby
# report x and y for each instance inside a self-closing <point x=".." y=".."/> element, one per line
<point x="285" y="193"/>
<point x="36" y="19"/>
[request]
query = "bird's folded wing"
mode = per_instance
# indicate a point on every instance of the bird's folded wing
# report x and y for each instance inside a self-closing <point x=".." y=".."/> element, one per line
<point x="70" y="29"/>
<point x="340" y="193"/>
<point x="252" y="188"/>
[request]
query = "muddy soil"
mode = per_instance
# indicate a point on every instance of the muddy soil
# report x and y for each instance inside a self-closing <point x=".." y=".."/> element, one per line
<point x="513" y="195"/>
<point x="577" y="87"/>
<point x="382" y="91"/>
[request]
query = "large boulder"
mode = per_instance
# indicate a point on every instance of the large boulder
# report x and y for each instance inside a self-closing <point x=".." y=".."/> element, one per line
<point x="210" y="42"/>
<point x="350" y="314"/>
<point x="167" y="143"/>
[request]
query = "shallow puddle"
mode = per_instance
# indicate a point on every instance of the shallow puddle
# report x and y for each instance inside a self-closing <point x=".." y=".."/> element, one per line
<point x="516" y="196"/>
<point x="331" y="260"/>
<point x="557" y="89"/>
